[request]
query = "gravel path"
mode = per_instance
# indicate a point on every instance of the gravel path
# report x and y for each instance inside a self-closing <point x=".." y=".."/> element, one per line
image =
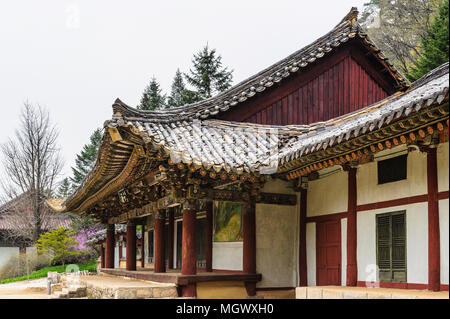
<point x="27" y="289"/>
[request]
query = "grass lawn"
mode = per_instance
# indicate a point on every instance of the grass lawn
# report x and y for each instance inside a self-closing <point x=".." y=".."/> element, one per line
<point x="89" y="265"/>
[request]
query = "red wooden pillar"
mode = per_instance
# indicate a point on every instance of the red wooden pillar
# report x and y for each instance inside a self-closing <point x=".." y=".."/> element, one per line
<point x="120" y="251"/>
<point x="249" y="244"/>
<point x="131" y="246"/>
<point x="143" y="245"/>
<point x="159" y="260"/>
<point x="434" y="256"/>
<point x="188" y="249"/>
<point x="302" y="249"/>
<point x="102" y="255"/>
<point x="170" y="242"/>
<point x="208" y="236"/>
<point x="110" y="246"/>
<point x="352" y="270"/>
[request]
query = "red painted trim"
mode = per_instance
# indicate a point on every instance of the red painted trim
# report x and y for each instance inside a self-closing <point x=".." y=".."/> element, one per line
<point x="444" y="287"/>
<point x="209" y="235"/>
<point x="327" y="217"/>
<point x="443" y="195"/>
<point x="143" y="246"/>
<point x="249" y="238"/>
<point x="131" y="246"/>
<point x="110" y="246"/>
<point x="352" y="268"/>
<point x="188" y="247"/>
<point x="190" y="290"/>
<point x="303" y="274"/>
<point x="434" y="250"/>
<point x="159" y="252"/>
<point x="227" y="271"/>
<point x="102" y="256"/>
<point x="372" y="206"/>
<point x="393" y="202"/>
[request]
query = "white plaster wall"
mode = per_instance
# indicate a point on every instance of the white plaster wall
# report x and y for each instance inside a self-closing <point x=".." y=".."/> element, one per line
<point x="416" y="242"/>
<point x="368" y="190"/>
<point x="366" y="253"/>
<point x="277" y="228"/>
<point x="6" y="253"/>
<point x="443" y="231"/>
<point x="311" y="253"/>
<point x="328" y="195"/>
<point x="276" y="245"/>
<point x="116" y="255"/>
<point x="343" y="251"/>
<point x="227" y="256"/>
<point x="146" y="257"/>
<point x="443" y="167"/>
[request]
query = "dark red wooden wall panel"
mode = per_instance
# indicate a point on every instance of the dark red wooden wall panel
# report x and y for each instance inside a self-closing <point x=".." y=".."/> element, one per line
<point x="340" y="89"/>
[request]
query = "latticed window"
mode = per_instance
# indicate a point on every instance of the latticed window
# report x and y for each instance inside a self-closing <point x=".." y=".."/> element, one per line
<point x="391" y="246"/>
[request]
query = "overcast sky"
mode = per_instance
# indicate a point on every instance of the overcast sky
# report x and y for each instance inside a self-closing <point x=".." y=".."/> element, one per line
<point x="76" y="57"/>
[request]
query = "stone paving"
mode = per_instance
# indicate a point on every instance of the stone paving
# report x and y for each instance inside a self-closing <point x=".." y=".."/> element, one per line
<point x="27" y="289"/>
<point x="113" y="287"/>
<point x="338" y="292"/>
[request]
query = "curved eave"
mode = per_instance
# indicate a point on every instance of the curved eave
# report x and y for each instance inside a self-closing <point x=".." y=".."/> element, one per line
<point x="111" y="161"/>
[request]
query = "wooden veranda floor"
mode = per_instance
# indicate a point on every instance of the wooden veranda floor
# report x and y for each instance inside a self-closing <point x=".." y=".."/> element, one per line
<point x="175" y="276"/>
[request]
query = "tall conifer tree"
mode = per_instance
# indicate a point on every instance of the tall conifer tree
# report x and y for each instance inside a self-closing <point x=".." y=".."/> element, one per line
<point x="435" y="45"/>
<point x="64" y="188"/>
<point x="152" y="98"/>
<point x="179" y="94"/>
<point x="85" y="161"/>
<point x="208" y="76"/>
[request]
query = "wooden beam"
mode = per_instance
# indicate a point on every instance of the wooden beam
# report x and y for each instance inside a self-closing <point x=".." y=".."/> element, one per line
<point x="238" y="196"/>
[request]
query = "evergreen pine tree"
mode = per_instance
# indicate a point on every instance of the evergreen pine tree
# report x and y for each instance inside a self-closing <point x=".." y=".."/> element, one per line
<point x="64" y="188"/>
<point x="85" y="161"/>
<point x="208" y="76"/>
<point x="152" y="99"/>
<point x="435" y="45"/>
<point x="179" y="94"/>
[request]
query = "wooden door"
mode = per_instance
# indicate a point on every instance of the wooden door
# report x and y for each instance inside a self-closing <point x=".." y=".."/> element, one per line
<point x="328" y="253"/>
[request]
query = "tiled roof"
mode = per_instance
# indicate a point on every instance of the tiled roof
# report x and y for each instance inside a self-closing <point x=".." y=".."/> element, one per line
<point x="188" y="136"/>
<point x="246" y="147"/>
<point x="213" y="144"/>
<point x="347" y="29"/>
<point x="432" y="88"/>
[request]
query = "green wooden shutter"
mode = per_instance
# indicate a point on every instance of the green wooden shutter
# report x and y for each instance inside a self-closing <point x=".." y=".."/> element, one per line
<point x="391" y="246"/>
<point x="398" y="247"/>
<point x="384" y="247"/>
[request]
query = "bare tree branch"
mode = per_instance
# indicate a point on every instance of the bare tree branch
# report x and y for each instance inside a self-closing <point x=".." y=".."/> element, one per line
<point x="32" y="164"/>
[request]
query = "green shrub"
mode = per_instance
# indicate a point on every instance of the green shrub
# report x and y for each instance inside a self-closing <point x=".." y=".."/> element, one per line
<point x="89" y="265"/>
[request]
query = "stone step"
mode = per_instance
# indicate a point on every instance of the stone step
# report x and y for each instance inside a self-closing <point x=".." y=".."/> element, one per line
<point x="72" y="292"/>
<point x="60" y="295"/>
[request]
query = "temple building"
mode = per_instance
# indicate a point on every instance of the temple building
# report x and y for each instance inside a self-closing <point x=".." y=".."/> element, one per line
<point x="18" y="223"/>
<point x="326" y="168"/>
